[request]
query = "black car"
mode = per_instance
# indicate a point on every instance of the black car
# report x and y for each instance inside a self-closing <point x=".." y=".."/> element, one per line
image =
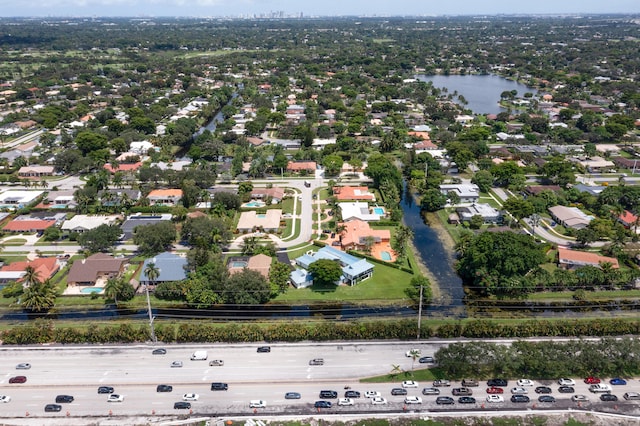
<point x="352" y="394"/>
<point x="546" y="398"/>
<point x="105" y="389"/>
<point x="328" y="394"/>
<point x="218" y="386"/>
<point x="292" y="395"/>
<point x="164" y="388"/>
<point x="608" y="397"/>
<point x="181" y="405"/>
<point x="64" y="399"/>
<point x="543" y="389"/>
<point x="159" y="351"/>
<point x="426" y="360"/>
<point x="322" y="404"/>
<point x="52" y="408"/>
<point x="444" y="400"/>
<point x="398" y="391"/>
<point x="264" y="349"/>
<point x="566" y="389"/>
<point x="461" y="392"/>
<point x="520" y="398"/>
<point x="466" y="400"/>
<point x="496" y="383"/>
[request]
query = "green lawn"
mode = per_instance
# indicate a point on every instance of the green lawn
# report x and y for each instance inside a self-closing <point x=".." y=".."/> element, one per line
<point x="418" y="374"/>
<point x="387" y="286"/>
<point x="287" y="230"/>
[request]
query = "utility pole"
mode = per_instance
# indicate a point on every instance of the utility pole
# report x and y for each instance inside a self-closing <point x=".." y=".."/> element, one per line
<point x="420" y="312"/>
<point x="153" y="333"/>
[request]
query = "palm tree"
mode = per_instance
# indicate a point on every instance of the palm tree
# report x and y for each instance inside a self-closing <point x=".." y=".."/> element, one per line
<point x="112" y="289"/>
<point x="395" y="370"/>
<point x="414" y="354"/>
<point x="151" y="272"/>
<point x="369" y="242"/>
<point x="30" y="277"/>
<point x="39" y="297"/>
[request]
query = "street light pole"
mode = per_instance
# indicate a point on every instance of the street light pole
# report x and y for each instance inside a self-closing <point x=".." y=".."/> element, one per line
<point x="535" y="221"/>
<point x="153" y="333"/>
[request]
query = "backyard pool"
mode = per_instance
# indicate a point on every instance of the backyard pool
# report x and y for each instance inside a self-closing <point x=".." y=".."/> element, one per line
<point x="91" y="290"/>
<point x="254" y="204"/>
<point x="385" y="255"/>
<point x="239" y="264"/>
<point x="378" y="210"/>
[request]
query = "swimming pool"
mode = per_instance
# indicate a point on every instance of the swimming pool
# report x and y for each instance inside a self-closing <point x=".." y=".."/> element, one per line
<point x="261" y="216"/>
<point x="378" y="210"/>
<point x="385" y="255"/>
<point x="254" y="204"/>
<point x="239" y="264"/>
<point x="91" y="290"/>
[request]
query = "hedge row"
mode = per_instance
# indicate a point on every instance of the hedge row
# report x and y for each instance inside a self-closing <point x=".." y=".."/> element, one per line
<point x="45" y="331"/>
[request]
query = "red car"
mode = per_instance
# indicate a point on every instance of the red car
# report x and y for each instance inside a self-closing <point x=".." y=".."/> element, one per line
<point x="18" y="379"/>
<point x="592" y="380"/>
<point x="494" y="389"/>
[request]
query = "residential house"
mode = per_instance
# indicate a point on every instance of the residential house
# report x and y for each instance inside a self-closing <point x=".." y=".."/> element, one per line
<point x="573" y="259"/>
<point x="570" y="217"/>
<point x="139" y="219"/>
<point x="468" y="193"/>
<point x="141" y="147"/>
<point x="123" y="167"/>
<point x="488" y="213"/>
<point x="35" y="171"/>
<point x="302" y="166"/>
<point x="119" y="197"/>
<point x="260" y="263"/>
<point x="165" y="197"/>
<point x="95" y="269"/>
<point x="18" y="198"/>
<point x="45" y="268"/>
<point x="266" y="222"/>
<point x="82" y="223"/>
<point x="358" y="210"/>
<point x="28" y="224"/>
<point x="276" y="194"/>
<point x="628" y="219"/>
<point x="354" y="236"/>
<point x="354" y="269"/>
<point x="171" y="267"/>
<point x="353" y="193"/>
<point x="595" y="164"/>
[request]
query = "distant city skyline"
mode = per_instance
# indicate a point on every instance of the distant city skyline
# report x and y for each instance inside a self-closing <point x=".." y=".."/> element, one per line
<point x="291" y="8"/>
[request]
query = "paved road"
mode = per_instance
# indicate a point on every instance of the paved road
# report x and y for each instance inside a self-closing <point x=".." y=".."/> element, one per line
<point x="135" y="373"/>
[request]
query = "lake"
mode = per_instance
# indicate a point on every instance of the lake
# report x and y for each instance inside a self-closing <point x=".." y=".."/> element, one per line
<point x="482" y="92"/>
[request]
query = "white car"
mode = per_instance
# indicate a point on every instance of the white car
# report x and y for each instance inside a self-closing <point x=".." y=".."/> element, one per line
<point x="566" y="382"/>
<point x="190" y="397"/>
<point x="413" y="352"/>
<point x="371" y="394"/>
<point x="115" y="398"/>
<point x="409" y="384"/>
<point x="495" y="398"/>
<point x="525" y="382"/>
<point x="176" y="364"/>
<point x="519" y="391"/>
<point x="345" y="401"/>
<point x="257" y="403"/>
<point x="413" y="400"/>
<point x="378" y="400"/>
<point x="579" y="398"/>
<point x="5" y="398"/>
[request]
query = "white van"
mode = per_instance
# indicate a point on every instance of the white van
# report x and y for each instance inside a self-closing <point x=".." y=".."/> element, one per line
<point x="199" y="356"/>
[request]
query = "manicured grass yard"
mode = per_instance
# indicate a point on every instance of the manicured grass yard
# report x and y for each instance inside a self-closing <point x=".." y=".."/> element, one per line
<point x="388" y="285"/>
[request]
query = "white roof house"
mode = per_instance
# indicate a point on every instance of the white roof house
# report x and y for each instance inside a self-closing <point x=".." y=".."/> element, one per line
<point x="268" y="222"/>
<point x="20" y="198"/>
<point x="357" y="210"/>
<point x="488" y="213"/>
<point x="570" y="217"/>
<point x="140" y="147"/>
<point x="82" y="222"/>
<point x="468" y="193"/>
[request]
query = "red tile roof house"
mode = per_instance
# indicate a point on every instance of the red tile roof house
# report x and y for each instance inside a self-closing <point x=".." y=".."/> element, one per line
<point x="165" y="197"/>
<point x="355" y="232"/>
<point x="355" y="193"/>
<point x="300" y="166"/>
<point x="628" y="219"/>
<point x="572" y="259"/>
<point x="29" y="225"/>
<point x="125" y="167"/>
<point x="97" y="267"/>
<point x="45" y="267"/>
<point x="276" y="194"/>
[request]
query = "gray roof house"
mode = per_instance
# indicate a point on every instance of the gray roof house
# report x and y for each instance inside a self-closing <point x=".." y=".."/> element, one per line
<point x="171" y="267"/>
<point x="354" y="269"/>
<point x="139" y="219"/>
<point x="468" y="193"/>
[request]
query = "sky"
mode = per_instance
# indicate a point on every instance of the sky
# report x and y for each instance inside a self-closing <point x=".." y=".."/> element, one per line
<point x="238" y="8"/>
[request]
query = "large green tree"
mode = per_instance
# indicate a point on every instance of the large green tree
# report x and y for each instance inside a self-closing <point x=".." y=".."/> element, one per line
<point x="100" y="239"/>
<point x="325" y="272"/>
<point x="155" y="238"/>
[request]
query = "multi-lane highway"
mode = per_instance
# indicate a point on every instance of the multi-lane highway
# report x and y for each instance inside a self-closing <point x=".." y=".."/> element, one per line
<point x="135" y="372"/>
